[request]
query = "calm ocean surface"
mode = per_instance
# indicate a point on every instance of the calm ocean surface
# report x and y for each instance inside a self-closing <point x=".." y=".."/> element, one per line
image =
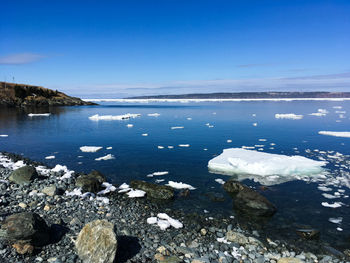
<point x="136" y="156"/>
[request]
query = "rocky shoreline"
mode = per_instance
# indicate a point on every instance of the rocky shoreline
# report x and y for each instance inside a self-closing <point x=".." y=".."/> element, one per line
<point x="45" y="202"/>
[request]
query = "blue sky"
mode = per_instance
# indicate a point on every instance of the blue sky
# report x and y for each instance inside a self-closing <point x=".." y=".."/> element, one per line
<point x="121" y="48"/>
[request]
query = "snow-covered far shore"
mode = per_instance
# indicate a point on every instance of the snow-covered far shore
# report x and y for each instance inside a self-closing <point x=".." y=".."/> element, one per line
<point x="213" y="100"/>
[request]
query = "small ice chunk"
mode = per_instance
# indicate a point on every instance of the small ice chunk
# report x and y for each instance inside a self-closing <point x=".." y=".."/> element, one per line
<point x="39" y="114"/>
<point x="144" y="134"/>
<point x="124" y="186"/>
<point x="220" y="181"/>
<point x="136" y="193"/>
<point x="189" y="119"/>
<point x="127" y="116"/>
<point x="130" y="125"/>
<point x="255" y="124"/>
<point x="170" y="147"/>
<point x="336" y="134"/>
<point x="177" y="127"/>
<point x="329" y="196"/>
<point x="324" y="188"/>
<point x="152" y="220"/>
<point x="108" y="188"/>
<point x="90" y="149"/>
<point x="160" y="147"/>
<point x="339" y="229"/>
<point x="334" y="220"/>
<point x="291" y="116"/>
<point x="50" y="157"/>
<point x="109" y="148"/>
<point x="184" y="145"/>
<point x="157" y="174"/>
<point x="179" y="185"/>
<point x="4" y="135"/>
<point x="104" y="200"/>
<point x="153" y="114"/>
<point x="229" y="141"/>
<point x="160" y="180"/>
<point x="163" y="224"/>
<point x="334" y="205"/>
<point x="173" y="222"/>
<point x="76" y="191"/>
<point x="105" y="158"/>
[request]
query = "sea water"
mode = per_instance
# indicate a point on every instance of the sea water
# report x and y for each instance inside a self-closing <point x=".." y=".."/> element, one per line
<point x="175" y="141"/>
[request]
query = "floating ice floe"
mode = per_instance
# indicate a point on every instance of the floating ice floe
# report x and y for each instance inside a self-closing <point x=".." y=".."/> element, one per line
<point x="319" y="113"/>
<point x="153" y="114"/>
<point x="220" y="181"/>
<point x="90" y="149"/>
<point x="127" y="116"/>
<point x="255" y="124"/>
<point x="337" y="220"/>
<point x="337" y="107"/>
<point x="157" y="174"/>
<point x="184" y="145"/>
<point x="160" y="147"/>
<point x="50" y="157"/>
<point x="164" y="221"/>
<point x="177" y="127"/>
<point x="39" y="114"/>
<point x="136" y="193"/>
<point x="265" y="168"/>
<point x="324" y="188"/>
<point x="334" y="205"/>
<point x="105" y="158"/>
<point x="4" y="135"/>
<point x="109" y="148"/>
<point x="179" y="185"/>
<point x="159" y="180"/>
<point x="130" y="125"/>
<point x="336" y="134"/>
<point x="144" y="134"/>
<point x="229" y="141"/>
<point x="291" y="116"/>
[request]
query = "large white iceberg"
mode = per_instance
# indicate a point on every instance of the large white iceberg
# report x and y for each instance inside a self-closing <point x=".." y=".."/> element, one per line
<point x="265" y="168"/>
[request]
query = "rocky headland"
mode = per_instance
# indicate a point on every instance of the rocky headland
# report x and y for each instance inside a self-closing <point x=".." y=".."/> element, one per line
<point x="21" y="95"/>
<point x="60" y="216"/>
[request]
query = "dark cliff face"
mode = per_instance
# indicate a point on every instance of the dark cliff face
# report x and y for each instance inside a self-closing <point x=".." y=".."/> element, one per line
<point x="25" y="95"/>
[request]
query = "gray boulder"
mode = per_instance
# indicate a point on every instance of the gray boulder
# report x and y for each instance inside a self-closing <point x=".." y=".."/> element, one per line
<point x="97" y="242"/>
<point x="23" y="175"/>
<point x="90" y="182"/>
<point x="248" y="200"/>
<point x="154" y="190"/>
<point x="25" y="228"/>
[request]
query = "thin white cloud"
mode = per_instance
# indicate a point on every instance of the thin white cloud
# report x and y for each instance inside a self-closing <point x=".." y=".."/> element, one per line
<point x="20" y="58"/>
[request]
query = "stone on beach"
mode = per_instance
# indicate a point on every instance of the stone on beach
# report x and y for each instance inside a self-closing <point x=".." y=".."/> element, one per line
<point x="153" y="190"/>
<point x="248" y="200"/>
<point x="97" y="242"/>
<point x="90" y="182"/>
<point x="23" y="175"/>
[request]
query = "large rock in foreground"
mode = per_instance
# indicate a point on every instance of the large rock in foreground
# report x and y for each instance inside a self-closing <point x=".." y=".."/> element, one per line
<point x="249" y="201"/>
<point x="25" y="228"/>
<point x="23" y="175"/>
<point x="97" y="242"/>
<point x="154" y="190"/>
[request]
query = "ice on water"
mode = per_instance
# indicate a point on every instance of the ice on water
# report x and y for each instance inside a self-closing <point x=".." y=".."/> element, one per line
<point x="265" y="168"/>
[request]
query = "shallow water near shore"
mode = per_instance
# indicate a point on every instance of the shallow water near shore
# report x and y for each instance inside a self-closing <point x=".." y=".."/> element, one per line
<point x="207" y="127"/>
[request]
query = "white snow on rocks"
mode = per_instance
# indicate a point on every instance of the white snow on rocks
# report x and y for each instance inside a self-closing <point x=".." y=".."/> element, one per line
<point x="164" y="221"/>
<point x="126" y="116"/>
<point x="90" y="149"/>
<point x="136" y="193"/>
<point x="39" y="114"/>
<point x="105" y="158"/>
<point x="266" y="168"/>
<point x="62" y="168"/>
<point x="108" y="188"/>
<point x="179" y="185"/>
<point x="291" y="116"/>
<point x="336" y="134"/>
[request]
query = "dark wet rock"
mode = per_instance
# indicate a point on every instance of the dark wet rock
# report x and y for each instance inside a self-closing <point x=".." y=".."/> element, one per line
<point x="154" y="190"/>
<point x="215" y="197"/>
<point x="90" y="182"/>
<point x="25" y="228"/>
<point x="23" y="175"/>
<point x="97" y="242"/>
<point x="308" y="233"/>
<point x="248" y="200"/>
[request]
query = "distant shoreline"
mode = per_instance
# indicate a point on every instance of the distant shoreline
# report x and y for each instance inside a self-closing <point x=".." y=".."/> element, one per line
<point x="214" y="100"/>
